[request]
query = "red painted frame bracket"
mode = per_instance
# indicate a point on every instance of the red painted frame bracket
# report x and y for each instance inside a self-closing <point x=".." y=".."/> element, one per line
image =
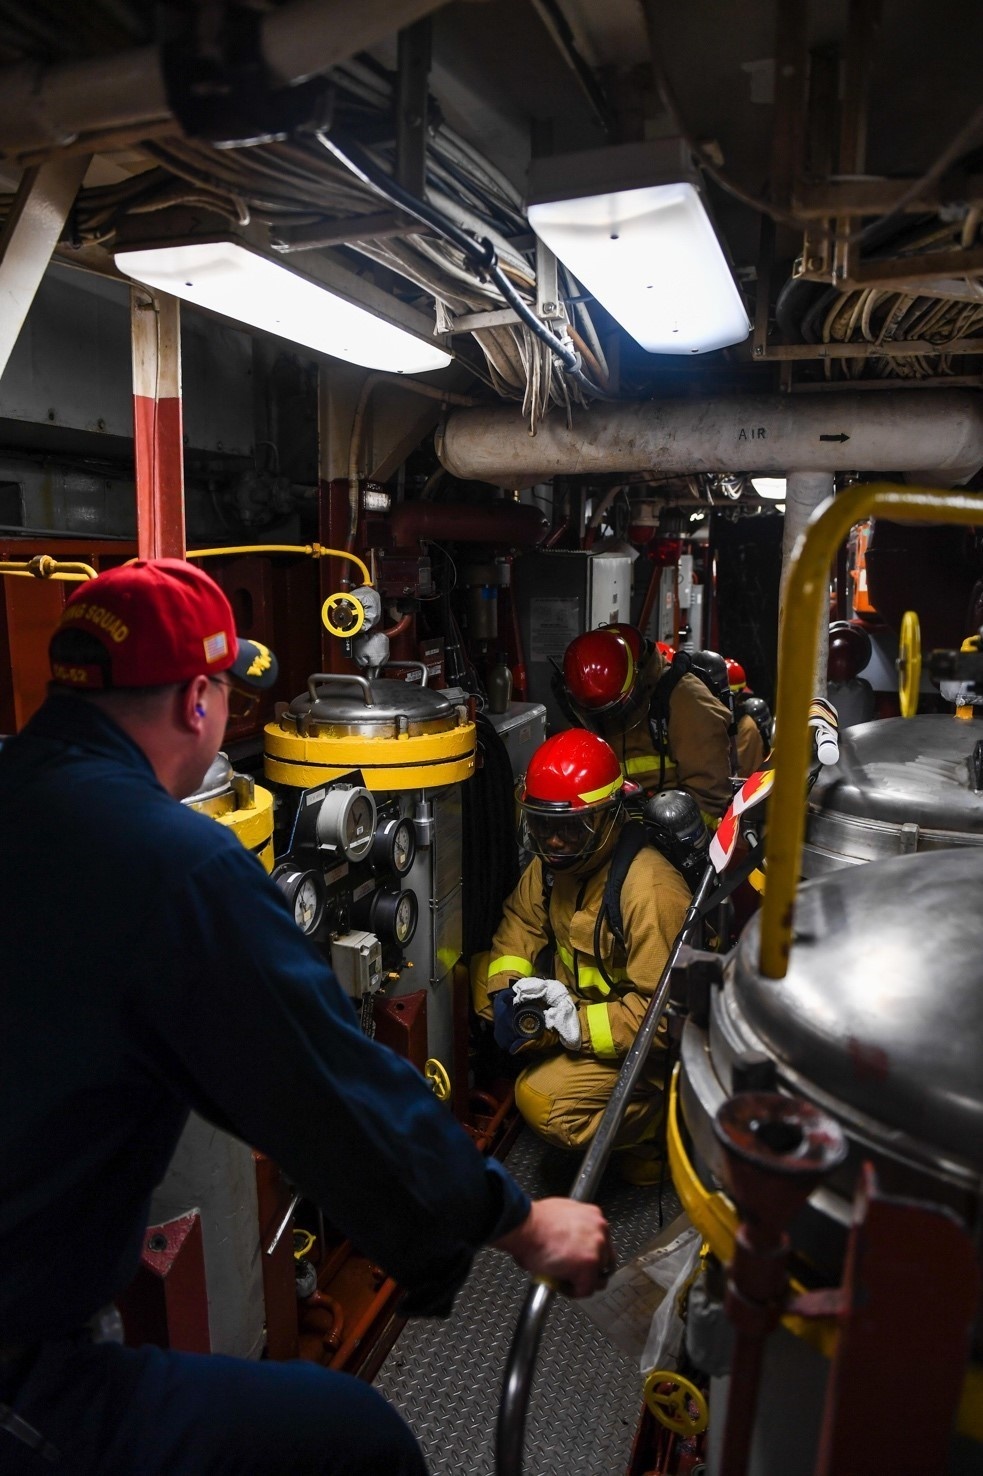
<point x="158" y="434"/>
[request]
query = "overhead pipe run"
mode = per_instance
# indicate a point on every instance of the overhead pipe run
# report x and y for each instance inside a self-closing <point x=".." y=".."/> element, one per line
<point x="506" y="524"/>
<point x="129" y="95"/>
<point x="938" y="433"/>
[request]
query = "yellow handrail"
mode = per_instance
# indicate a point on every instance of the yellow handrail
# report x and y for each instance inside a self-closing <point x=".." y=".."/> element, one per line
<point x="315" y="550"/>
<point x="43" y="566"/>
<point x="808" y="586"/>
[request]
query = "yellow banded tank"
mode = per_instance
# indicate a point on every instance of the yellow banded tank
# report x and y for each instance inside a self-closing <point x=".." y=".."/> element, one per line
<point x="400" y="735"/>
<point x="237" y="801"/>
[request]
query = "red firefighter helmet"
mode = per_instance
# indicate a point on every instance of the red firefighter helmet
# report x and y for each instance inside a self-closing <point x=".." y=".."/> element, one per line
<point x="599" y="673"/>
<point x="736" y="675"/>
<point x="631" y="636"/>
<point x="666" y="650"/>
<point x="570" y="798"/>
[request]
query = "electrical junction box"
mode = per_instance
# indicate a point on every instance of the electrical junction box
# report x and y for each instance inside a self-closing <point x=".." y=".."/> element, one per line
<point x="356" y="958"/>
<point x="522" y="728"/>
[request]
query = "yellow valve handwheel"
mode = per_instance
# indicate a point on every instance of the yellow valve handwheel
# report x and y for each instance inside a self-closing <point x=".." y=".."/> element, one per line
<point x="303" y="1243"/>
<point x="909" y="663"/>
<point x="342" y="616"/>
<point x="676" y="1402"/>
<point x="438" y="1079"/>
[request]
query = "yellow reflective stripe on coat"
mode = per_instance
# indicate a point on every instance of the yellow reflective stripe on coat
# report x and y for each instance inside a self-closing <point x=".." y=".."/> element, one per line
<point x="642" y="761"/>
<point x="510" y="962"/>
<point x="599" y="1025"/>
<point x="566" y="959"/>
<point x="589" y="979"/>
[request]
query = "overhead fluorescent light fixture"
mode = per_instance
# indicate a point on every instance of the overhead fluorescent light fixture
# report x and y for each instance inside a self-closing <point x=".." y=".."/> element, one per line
<point x="773" y="488"/>
<point x="240" y="283"/>
<point x="648" y="253"/>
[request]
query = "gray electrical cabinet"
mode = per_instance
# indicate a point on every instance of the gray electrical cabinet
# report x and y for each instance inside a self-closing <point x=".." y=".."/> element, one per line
<point x="522" y="729"/>
<point x="559" y="594"/>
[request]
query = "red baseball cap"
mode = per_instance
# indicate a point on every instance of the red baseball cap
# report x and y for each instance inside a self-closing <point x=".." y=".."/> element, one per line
<point x="159" y="621"/>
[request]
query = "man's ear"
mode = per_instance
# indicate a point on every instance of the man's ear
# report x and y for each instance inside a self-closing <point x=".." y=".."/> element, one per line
<point x="193" y="699"/>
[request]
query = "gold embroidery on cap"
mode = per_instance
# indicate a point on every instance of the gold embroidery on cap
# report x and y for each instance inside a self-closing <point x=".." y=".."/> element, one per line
<point x="261" y="661"/>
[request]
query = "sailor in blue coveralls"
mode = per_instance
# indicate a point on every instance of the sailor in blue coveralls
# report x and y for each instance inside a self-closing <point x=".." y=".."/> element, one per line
<point x="150" y="967"/>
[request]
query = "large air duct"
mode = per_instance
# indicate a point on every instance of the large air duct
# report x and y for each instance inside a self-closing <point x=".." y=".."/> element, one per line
<point x="46" y="107"/>
<point x="937" y="434"/>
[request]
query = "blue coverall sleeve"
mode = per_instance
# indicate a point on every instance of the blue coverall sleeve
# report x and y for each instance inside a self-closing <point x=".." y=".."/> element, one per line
<point x="252" y="1028"/>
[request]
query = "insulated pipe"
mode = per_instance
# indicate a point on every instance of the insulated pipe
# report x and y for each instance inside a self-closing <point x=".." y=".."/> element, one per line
<point x="43" y="108"/>
<point x="804" y="492"/>
<point x="938" y="433"/>
<point x="506" y="524"/>
<point x="47" y="108"/>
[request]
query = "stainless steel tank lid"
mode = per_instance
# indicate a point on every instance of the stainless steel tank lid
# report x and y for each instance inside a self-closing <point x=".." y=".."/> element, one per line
<point x="905" y="770"/>
<point x="390" y="700"/>
<point x="882" y="1006"/>
<point x="218" y="780"/>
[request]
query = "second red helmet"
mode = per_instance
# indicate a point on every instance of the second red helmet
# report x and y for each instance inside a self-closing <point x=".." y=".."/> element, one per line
<point x="631" y="636"/>
<point x="599" y="672"/>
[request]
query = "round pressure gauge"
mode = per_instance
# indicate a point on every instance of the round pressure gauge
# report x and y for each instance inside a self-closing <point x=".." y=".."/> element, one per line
<point x="304" y="891"/>
<point x="405" y="918"/>
<point x="392" y="916"/>
<point x="394" y="848"/>
<point x="346" y="822"/>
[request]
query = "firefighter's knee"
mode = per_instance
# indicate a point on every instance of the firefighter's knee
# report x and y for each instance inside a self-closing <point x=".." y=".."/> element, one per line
<point x="558" y="1116"/>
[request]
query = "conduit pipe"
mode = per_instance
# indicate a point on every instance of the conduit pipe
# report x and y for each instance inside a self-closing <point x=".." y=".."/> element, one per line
<point x="938" y="434"/>
<point x="414" y="386"/>
<point x="47" y="108"/>
<point x="804" y="493"/>
<point x="507" y="524"/>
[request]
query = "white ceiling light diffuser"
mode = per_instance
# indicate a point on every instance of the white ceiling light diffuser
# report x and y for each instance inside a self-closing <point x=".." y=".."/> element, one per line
<point x="229" y="278"/>
<point x="773" y="488"/>
<point x="648" y="253"/>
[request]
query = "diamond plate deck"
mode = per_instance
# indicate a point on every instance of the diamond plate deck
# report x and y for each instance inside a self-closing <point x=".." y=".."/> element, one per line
<point x="445" y="1376"/>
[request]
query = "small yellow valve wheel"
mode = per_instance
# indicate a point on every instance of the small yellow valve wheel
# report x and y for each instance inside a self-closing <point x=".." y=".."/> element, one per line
<point x="676" y="1402"/>
<point x="438" y="1079"/>
<point x="909" y="663"/>
<point x="342" y="616"/>
<point x="303" y="1243"/>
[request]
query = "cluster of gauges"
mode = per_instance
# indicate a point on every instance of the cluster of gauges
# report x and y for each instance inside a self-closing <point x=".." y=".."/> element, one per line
<point x="344" y="822"/>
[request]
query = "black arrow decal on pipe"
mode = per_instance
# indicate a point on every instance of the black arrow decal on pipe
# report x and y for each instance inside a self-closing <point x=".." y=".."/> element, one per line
<point x="841" y="437"/>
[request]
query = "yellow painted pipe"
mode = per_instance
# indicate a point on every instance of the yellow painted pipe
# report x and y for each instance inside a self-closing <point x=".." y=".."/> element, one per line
<point x="43" y="566"/>
<point x="808" y="586"/>
<point x="314" y="550"/>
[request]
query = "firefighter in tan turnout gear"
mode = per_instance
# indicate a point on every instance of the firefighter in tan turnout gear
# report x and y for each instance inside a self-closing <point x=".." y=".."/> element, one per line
<point x="576" y="1025"/>
<point x="751" y="725"/>
<point x="666" y="727"/>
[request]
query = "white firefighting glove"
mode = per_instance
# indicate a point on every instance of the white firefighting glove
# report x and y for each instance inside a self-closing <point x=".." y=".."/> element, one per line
<point x="825" y="723"/>
<point x="560" y="1013"/>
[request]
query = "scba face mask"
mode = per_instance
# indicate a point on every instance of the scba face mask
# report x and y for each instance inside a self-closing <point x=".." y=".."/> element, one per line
<point x="562" y="838"/>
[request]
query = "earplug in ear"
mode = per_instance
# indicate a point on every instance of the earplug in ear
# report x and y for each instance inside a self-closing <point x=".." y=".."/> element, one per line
<point x="199" y="710"/>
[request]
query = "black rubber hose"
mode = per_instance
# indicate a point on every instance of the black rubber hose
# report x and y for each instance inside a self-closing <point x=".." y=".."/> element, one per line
<point x="490" y="859"/>
<point x="480" y="253"/>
